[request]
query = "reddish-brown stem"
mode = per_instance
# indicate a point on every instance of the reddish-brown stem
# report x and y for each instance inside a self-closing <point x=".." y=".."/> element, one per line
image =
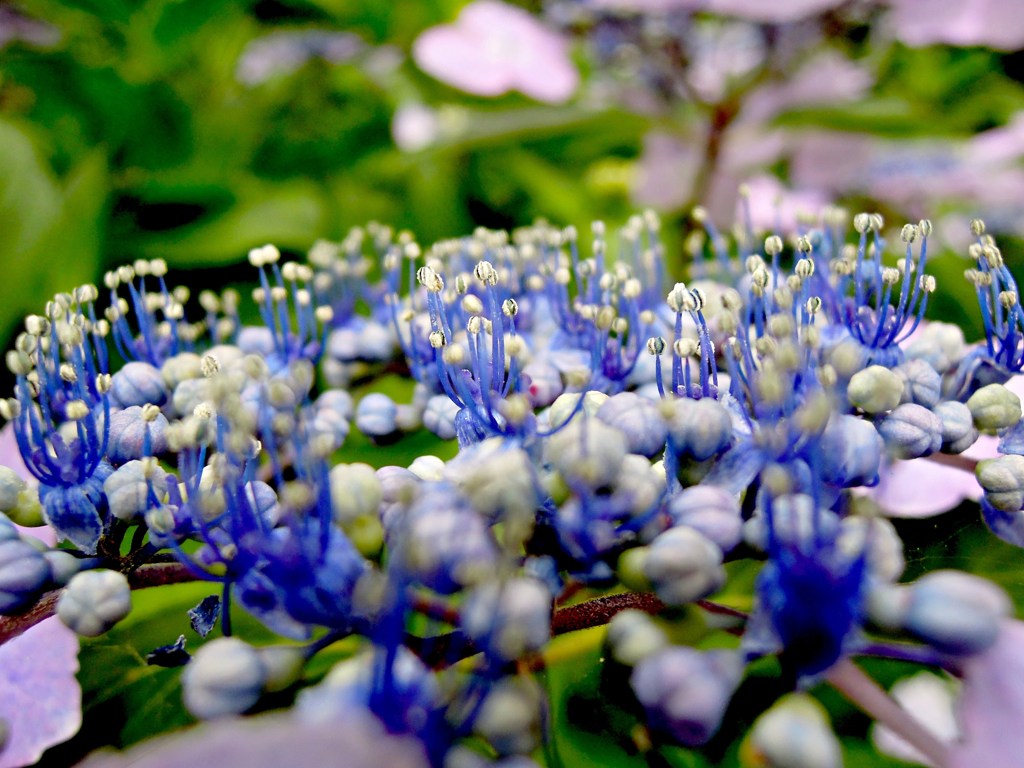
<point x="152" y="575"/>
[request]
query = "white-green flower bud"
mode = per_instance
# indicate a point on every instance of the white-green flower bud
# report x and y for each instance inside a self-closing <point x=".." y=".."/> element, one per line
<point x="11" y="487"/>
<point x="994" y="407"/>
<point x="588" y="453"/>
<point x="1003" y="482"/>
<point x="355" y="492"/>
<point x="225" y="677"/>
<point x="95" y="601"/>
<point x="794" y="733"/>
<point x="633" y="635"/>
<point x="875" y="389"/>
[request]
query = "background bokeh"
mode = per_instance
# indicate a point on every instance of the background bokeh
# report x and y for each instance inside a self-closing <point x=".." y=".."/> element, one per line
<point x="192" y="130"/>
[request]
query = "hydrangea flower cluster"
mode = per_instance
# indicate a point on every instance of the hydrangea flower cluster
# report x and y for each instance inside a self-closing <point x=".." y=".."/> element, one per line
<point x="615" y="428"/>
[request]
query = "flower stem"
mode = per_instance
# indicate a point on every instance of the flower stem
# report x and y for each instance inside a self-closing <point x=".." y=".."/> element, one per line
<point x="849" y="680"/>
<point x="152" y="575"/>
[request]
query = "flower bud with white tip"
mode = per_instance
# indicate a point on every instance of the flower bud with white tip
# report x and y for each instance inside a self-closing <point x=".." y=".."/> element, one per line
<point x="225" y="677"/>
<point x="794" y="733"/>
<point x="94" y="601"/>
<point x="376" y="416"/>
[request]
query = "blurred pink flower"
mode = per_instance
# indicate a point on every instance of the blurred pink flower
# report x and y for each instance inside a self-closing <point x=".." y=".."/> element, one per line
<point x="991" y="704"/>
<point x="923" y="488"/>
<point x="762" y="11"/>
<point x="493" y="48"/>
<point x="41" y="701"/>
<point x="996" y="24"/>
<point x="775" y="208"/>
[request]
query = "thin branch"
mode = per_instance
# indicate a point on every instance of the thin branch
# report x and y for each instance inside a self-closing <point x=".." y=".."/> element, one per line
<point x="849" y="680"/>
<point x="152" y="575"/>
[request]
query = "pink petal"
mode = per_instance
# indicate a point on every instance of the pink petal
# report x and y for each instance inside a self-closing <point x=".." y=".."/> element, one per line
<point x="271" y="741"/>
<point x="994" y="23"/>
<point x="447" y="54"/>
<point x="493" y="48"/>
<point x="991" y="706"/>
<point x="922" y="488"/>
<point x="41" y="701"/>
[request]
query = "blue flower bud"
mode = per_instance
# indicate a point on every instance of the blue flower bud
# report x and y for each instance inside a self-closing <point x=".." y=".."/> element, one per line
<point x="958" y="430"/>
<point x="63" y="566"/>
<point x="128" y="435"/>
<point x="94" y="601"/>
<point x="337" y="400"/>
<point x="698" y="429"/>
<point x="376" y="416"/>
<point x="941" y="345"/>
<point x="875" y="389"/>
<point x="712" y="511"/>
<point x="921" y="383"/>
<point x="685" y="692"/>
<point x="508" y="619"/>
<point x="24" y="575"/>
<point x="850" y="452"/>
<point x="8" y="531"/>
<point x="794" y="733"/>
<point x="911" y="431"/>
<point x="638" y="420"/>
<point x="188" y="394"/>
<point x="682" y="566"/>
<point x="128" y="489"/>
<point x="439" y="416"/>
<point x="955" y="612"/>
<point x="994" y="407"/>
<point x="138" y="383"/>
<point x="225" y="677"/>
<point x="1002" y="480"/>
<point x="256" y="340"/>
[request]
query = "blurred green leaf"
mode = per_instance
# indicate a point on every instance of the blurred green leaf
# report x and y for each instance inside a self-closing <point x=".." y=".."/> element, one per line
<point x="289" y="214"/>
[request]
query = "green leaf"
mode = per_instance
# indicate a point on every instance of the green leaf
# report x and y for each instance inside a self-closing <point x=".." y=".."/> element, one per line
<point x="50" y="235"/>
<point x="289" y="214"/>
